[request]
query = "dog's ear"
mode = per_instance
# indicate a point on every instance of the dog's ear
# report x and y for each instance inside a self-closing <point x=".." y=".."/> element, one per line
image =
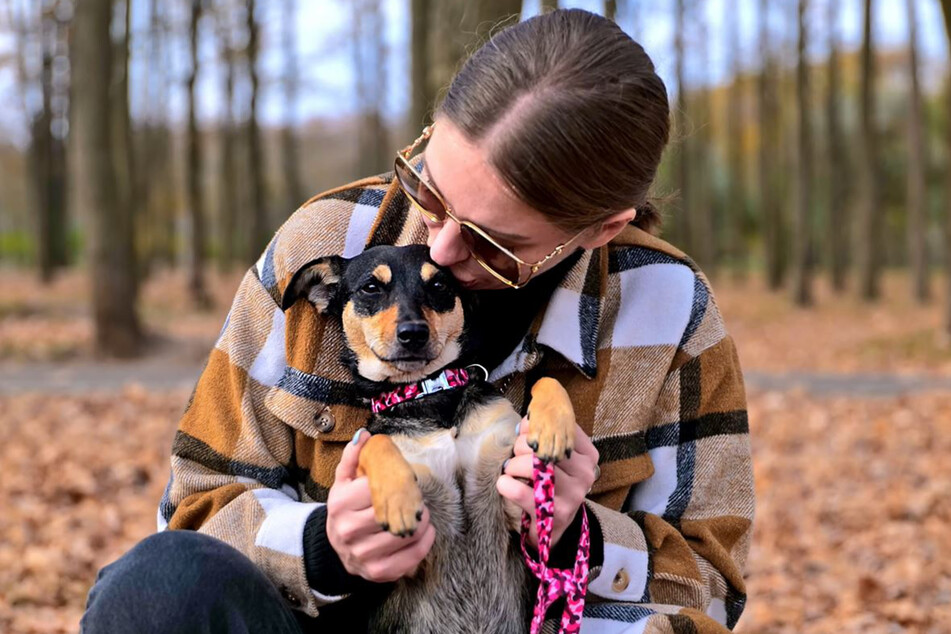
<point x="318" y="282"/>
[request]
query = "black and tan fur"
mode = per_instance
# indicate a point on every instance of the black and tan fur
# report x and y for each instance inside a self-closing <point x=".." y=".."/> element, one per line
<point x="404" y="320"/>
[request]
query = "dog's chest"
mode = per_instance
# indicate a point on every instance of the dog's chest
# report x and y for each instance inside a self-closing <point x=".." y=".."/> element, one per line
<point x="486" y="432"/>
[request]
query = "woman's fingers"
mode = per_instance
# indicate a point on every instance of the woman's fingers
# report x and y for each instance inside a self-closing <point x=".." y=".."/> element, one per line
<point x="517" y="492"/>
<point x="402" y="562"/>
<point x="350" y="495"/>
<point x="372" y="543"/>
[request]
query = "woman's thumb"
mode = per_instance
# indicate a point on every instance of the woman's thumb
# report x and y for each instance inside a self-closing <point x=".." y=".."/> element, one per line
<point x="347" y="467"/>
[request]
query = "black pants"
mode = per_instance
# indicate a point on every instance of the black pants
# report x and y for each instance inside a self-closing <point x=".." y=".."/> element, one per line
<point x="186" y="582"/>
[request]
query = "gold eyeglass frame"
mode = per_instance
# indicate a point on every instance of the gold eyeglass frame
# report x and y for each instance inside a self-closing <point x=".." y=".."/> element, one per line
<point x="404" y="156"/>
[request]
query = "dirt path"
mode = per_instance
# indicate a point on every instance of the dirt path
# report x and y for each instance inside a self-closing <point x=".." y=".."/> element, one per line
<point x="167" y="374"/>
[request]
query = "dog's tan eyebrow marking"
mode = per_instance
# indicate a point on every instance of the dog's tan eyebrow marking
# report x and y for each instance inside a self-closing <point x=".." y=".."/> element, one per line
<point x="383" y="273"/>
<point x="428" y="271"/>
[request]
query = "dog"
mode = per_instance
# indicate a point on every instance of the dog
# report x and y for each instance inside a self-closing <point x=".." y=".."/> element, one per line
<point x="405" y="323"/>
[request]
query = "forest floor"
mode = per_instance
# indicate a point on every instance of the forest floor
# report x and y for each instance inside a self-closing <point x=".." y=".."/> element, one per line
<point x="850" y="416"/>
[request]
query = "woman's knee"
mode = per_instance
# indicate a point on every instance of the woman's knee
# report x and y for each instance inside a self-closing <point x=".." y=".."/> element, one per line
<point x="181" y="581"/>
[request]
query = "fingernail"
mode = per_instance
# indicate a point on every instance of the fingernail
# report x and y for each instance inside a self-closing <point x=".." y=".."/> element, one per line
<point x="519" y="424"/>
<point x="356" y="436"/>
<point x="505" y="464"/>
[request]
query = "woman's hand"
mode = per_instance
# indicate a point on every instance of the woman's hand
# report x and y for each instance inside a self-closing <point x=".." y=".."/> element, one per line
<point x="365" y="549"/>
<point x="574" y="477"/>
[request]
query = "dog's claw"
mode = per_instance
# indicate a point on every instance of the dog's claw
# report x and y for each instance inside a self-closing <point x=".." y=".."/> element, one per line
<point x="533" y="444"/>
<point x="385" y="526"/>
<point x="419" y="515"/>
<point x="568" y="454"/>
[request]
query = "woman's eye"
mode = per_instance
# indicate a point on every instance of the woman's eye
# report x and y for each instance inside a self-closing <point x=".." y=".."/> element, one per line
<point x="371" y="288"/>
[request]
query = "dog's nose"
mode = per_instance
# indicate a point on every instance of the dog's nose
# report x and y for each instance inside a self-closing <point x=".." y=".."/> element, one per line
<point x="413" y="334"/>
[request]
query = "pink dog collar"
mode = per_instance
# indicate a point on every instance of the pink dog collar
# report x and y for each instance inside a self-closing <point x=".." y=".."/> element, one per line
<point x="446" y="380"/>
<point x="555" y="582"/>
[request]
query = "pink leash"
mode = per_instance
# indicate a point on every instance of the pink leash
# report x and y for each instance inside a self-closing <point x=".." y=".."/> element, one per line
<point x="555" y="582"/>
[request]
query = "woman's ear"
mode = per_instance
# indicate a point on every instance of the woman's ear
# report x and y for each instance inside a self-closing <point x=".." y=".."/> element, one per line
<point x="608" y="228"/>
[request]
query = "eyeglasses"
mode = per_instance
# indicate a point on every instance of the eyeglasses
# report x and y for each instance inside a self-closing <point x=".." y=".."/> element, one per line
<point x="494" y="258"/>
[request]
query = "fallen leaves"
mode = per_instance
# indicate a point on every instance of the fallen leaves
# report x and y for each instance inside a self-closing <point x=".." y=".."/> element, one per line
<point x="82" y="477"/>
<point x="853" y="522"/>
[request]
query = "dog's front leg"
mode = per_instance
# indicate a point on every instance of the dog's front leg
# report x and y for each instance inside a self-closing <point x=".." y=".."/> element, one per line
<point x="394" y="491"/>
<point x="551" y="421"/>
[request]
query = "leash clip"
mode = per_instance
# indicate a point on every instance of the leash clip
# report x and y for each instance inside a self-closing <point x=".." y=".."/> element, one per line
<point x="485" y="373"/>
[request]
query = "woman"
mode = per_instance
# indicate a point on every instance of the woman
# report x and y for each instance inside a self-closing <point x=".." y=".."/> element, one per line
<point x="533" y="191"/>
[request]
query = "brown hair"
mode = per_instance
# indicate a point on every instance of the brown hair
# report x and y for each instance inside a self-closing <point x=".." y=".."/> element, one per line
<point x="574" y="115"/>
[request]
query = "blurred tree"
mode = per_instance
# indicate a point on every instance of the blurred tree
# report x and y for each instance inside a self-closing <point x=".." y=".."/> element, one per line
<point x="917" y="153"/>
<point x="457" y="27"/>
<point x="369" y="67"/>
<point x="549" y="5"/>
<point x="735" y="210"/>
<point x="682" y="223"/>
<point x="769" y="146"/>
<point x="802" y="225"/>
<point x="193" y="174"/>
<point x="47" y="124"/>
<point x="701" y="211"/>
<point x="228" y="212"/>
<point x="156" y="229"/>
<point x="424" y="96"/>
<point x="610" y="9"/>
<point x="293" y="191"/>
<point x="257" y="236"/>
<point x="93" y="158"/>
<point x="946" y="11"/>
<point x="838" y="165"/>
<point x="127" y="197"/>
<point x="870" y="217"/>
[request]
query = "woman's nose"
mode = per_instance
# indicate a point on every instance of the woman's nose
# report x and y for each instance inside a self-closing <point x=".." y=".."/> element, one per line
<point x="446" y="247"/>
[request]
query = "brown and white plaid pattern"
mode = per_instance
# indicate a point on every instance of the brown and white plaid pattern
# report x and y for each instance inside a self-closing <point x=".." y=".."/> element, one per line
<point x="632" y="332"/>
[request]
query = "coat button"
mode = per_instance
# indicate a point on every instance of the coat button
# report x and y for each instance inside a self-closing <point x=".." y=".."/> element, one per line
<point x="289" y="597"/>
<point x="621" y="581"/>
<point x="325" y="420"/>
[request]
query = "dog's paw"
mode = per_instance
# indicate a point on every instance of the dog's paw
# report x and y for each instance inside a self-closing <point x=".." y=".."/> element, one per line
<point x="397" y="500"/>
<point x="551" y="421"/>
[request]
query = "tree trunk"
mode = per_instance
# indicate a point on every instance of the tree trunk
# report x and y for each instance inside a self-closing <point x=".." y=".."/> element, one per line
<point x="93" y="164"/>
<point x="46" y="152"/>
<point x="257" y="234"/>
<point x="193" y="171"/>
<point x="802" y="230"/>
<point x="838" y="164"/>
<point x="870" y="217"/>
<point x="122" y="126"/>
<point x="769" y="148"/>
<point x="549" y="5"/>
<point x="734" y="214"/>
<point x="703" y="206"/>
<point x="424" y="96"/>
<point x="917" y="153"/>
<point x="683" y="163"/>
<point x="458" y="27"/>
<point x="946" y="11"/>
<point x="227" y="170"/>
<point x="610" y="9"/>
<point x="293" y="190"/>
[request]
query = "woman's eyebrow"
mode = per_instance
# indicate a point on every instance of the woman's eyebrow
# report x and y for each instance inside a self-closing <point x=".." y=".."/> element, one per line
<point x="501" y="235"/>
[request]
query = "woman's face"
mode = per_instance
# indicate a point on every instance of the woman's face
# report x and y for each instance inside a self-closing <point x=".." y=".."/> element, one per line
<point x="460" y="172"/>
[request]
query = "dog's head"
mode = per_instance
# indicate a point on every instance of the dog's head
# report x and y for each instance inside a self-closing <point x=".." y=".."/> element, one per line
<point x="403" y="316"/>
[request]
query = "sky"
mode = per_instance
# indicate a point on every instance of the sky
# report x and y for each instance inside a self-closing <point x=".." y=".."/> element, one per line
<point x="325" y="53"/>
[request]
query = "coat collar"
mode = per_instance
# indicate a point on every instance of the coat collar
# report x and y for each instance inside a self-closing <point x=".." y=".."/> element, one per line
<point x="570" y="323"/>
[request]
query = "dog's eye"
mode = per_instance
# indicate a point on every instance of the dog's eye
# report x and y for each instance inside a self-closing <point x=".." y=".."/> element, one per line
<point x="439" y="285"/>
<point x="371" y="288"/>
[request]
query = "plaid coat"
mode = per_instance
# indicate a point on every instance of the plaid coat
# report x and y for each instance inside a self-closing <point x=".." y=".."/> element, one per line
<point x="633" y="333"/>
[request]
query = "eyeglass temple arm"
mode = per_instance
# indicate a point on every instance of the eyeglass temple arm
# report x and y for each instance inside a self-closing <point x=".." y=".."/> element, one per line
<point x="408" y="151"/>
